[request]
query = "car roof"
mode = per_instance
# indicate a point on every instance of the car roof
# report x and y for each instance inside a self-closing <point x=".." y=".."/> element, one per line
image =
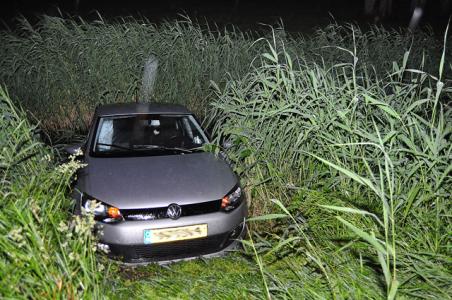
<point x="140" y="108"/>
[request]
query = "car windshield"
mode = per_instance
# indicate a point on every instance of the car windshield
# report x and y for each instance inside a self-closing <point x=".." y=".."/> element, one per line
<point x="148" y="134"/>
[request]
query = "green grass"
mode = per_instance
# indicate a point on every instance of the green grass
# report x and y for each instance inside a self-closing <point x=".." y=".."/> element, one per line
<point x="44" y="252"/>
<point x="233" y="277"/>
<point x="343" y="141"/>
<point x="71" y="66"/>
<point x="385" y="138"/>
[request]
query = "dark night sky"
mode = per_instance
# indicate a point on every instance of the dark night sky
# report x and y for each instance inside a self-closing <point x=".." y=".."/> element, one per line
<point x="297" y="15"/>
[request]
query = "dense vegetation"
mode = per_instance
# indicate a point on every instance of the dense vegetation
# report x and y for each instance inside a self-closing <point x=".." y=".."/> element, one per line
<point x="343" y="141"/>
<point x="43" y="252"/>
<point x="68" y="67"/>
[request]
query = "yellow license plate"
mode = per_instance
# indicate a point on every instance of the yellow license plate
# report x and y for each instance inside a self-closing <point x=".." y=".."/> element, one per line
<point x="164" y="235"/>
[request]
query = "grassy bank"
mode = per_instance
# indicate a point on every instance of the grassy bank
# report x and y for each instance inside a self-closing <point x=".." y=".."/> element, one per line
<point x="343" y="140"/>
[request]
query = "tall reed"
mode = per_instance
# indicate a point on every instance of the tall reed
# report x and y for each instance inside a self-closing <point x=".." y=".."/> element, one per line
<point x="44" y="253"/>
<point x="385" y="139"/>
<point x="60" y="69"/>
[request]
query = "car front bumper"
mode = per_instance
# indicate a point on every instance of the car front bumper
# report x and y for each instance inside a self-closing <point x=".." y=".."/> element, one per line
<point x="125" y="240"/>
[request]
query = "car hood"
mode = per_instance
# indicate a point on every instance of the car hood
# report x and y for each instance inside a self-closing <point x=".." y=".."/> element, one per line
<point x="156" y="181"/>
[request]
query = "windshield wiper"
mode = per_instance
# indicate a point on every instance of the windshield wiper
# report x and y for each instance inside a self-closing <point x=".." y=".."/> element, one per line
<point x="115" y="146"/>
<point x="163" y="148"/>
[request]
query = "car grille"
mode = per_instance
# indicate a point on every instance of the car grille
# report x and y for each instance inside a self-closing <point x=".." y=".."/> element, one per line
<point x="160" y="212"/>
<point x="171" y="250"/>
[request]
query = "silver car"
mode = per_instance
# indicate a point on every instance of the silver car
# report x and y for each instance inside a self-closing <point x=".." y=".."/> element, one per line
<point x="156" y="195"/>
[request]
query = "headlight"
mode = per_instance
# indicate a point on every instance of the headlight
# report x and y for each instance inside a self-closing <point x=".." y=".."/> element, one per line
<point x="95" y="207"/>
<point x="101" y="211"/>
<point x="232" y="200"/>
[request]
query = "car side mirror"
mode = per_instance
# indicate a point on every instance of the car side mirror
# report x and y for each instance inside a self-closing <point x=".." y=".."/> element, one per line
<point x="74" y="149"/>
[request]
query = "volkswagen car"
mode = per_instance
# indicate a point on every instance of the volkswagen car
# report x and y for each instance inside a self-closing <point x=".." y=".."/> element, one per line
<point x="155" y="194"/>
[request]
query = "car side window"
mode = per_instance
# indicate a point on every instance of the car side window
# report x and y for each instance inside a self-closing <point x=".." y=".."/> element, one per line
<point x="105" y="134"/>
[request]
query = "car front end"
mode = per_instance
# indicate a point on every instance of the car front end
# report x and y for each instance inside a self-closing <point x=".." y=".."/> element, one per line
<point x="156" y="234"/>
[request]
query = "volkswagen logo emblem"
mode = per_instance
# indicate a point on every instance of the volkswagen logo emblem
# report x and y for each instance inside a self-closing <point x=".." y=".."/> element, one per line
<point x="174" y="211"/>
